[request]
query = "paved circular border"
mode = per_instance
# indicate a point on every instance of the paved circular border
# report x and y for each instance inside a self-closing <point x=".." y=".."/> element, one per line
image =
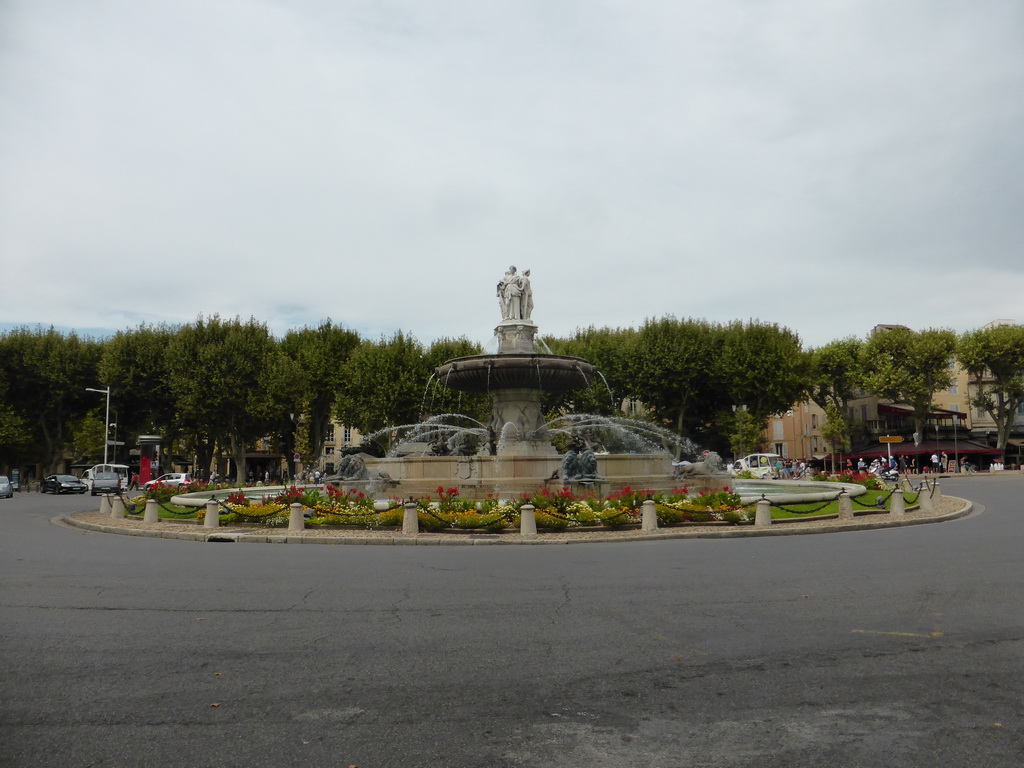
<point x="961" y="508"/>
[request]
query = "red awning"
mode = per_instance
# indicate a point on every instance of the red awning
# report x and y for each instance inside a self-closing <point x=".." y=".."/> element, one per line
<point x="907" y="448"/>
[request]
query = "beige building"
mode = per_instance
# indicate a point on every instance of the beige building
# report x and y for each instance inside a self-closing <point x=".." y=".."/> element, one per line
<point x="796" y="434"/>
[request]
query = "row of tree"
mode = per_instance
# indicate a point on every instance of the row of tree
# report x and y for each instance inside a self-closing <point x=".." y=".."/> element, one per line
<point x="221" y="385"/>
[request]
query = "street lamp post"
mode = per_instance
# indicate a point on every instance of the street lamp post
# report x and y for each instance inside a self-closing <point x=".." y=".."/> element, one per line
<point x="106" y="422"/>
<point x="114" y="457"/>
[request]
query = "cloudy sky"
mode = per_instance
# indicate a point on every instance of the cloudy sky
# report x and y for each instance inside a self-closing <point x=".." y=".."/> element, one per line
<point x="824" y="165"/>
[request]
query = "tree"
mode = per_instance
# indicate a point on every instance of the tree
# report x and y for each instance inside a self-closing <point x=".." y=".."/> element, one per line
<point x="439" y="399"/>
<point x="836" y="377"/>
<point x="672" y="371"/>
<point x="383" y="385"/>
<point x="134" y="365"/>
<point x="15" y="431"/>
<point x="994" y="360"/>
<point x="762" y="366"/>
<point x="609" y="351"/>
<point x="905" y="366"/>
<point x="46" y="375"/>
<point x="231" y="383"/>
<point x="320" y="355"/>
<point x="836" y="373"/>
<point x="836" y="430"/>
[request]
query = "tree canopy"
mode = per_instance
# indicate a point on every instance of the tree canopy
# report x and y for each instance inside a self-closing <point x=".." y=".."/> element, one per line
<point x="994" y="360"/>
<point x="905" y="366"/>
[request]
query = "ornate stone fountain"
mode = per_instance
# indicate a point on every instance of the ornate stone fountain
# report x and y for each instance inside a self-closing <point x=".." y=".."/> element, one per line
<point x="517" y="377"/>
<point x="518" y="455"/>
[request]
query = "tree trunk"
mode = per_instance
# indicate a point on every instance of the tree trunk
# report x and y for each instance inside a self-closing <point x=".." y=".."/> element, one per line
<point x="238" y="454"/>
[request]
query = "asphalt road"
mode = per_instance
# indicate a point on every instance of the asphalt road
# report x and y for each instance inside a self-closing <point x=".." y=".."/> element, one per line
<point x="898" y="647"/>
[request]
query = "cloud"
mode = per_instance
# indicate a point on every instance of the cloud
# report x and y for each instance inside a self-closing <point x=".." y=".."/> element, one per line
<point x="827" y="166"/>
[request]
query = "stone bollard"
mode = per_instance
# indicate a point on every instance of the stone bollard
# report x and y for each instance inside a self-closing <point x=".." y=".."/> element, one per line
<point x="411" y="521"/>
<point x="212" y="515"/>
<point x="152" y="514"/>
<point x="527" y="520"/>
<point x="845" y="506"/>
<point x="116" y="508"/>
<point x="649" y="516"/>
<point x="105" y="504"/>
<point x="925" y="499"/>
<point x="897" y="507"/>
<point x="763" y="514"/>
<point x="296" y="520"/>
<point x="937" y="496"/>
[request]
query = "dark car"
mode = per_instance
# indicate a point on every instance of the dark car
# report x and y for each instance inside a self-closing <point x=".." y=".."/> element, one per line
<point x="62" y="484"/>
<point x="106" y="482"/>
<point x="6" y="488"/>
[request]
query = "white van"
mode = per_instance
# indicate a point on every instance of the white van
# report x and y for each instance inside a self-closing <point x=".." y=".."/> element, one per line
<point x="760" y="465"/>
<point x="120" y="469"/>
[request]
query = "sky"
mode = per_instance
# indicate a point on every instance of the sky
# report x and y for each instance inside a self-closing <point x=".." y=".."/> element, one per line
<point x="826" y="166"/>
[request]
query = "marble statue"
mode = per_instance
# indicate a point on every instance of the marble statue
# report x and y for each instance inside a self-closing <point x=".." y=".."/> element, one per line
<point x="515" y="295"/>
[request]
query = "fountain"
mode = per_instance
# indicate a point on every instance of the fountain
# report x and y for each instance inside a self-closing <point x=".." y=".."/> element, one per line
<point x="517" y="454"/>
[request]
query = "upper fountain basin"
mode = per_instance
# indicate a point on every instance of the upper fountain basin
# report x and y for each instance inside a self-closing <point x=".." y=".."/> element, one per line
<point x="487" y="373"/>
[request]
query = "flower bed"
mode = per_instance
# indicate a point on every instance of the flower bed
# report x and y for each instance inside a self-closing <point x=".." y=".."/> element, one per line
<point x="447" y="511"/>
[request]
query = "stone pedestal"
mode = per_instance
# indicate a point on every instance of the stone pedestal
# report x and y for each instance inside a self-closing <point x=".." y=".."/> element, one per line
<point x="925" y="499"/>
<point x="411" y="520"/>
<point x="212" y="515"/>
<point x="527" y="520"/>
<point x="845" y="506"/>
<point x="649" y="516"/>
<point x="763" y="514"/>
<point x="296" y="521"/>
<point x="516" y="337"/>
<point x="897" y="506"/>
<point x="116" y="508"/>
<point x="152" y="514"/>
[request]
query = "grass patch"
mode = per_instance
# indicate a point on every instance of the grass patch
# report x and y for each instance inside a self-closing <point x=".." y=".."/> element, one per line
<point x="832" y="508"/>
<point x="184" y="513"/>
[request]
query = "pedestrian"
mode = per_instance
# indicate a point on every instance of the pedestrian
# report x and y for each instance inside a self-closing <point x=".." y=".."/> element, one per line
<point x="935" y="462"/>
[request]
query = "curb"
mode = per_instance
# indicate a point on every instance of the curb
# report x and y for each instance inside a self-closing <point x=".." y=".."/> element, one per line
<point x="247" y="536"/>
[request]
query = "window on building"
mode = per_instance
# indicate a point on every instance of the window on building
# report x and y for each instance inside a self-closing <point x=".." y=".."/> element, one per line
<point x="814" y="421"/>
<point x="952" y="389"/>
<point x="777" y="432"/>
<point x="864" y="413"/>
<point x="346" y="435"/>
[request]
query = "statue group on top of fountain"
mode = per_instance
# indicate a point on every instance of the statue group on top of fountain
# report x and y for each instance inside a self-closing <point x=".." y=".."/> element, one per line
<point x="515" y="296"/>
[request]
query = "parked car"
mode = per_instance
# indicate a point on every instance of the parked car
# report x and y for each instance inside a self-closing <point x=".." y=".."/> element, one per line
<point x="121" y="470"/>
<point x="105" y="482"/>
<point x="6" y="488"/>
<point x="62" y="484"/>
<point x="171" y="478"/>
